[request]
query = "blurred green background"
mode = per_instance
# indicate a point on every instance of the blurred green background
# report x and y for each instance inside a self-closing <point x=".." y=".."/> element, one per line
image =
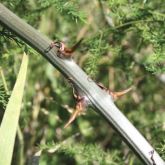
<point x="123" y="45"/>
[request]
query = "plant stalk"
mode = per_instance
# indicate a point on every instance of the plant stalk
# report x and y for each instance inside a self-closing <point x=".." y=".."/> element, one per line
<point x="99" y="98"/>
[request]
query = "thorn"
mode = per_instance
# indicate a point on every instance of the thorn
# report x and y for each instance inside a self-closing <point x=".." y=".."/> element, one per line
<point x="116" y="95"/>
<point x="63" y="51"/>
<point x="72" y="118"/>
<point x="67" y="52"/>
<point x="75" y="46"/>
<point x="79" y="109"/>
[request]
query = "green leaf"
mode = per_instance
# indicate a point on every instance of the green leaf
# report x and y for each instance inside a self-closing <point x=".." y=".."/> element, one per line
<point x="9" y="123"/>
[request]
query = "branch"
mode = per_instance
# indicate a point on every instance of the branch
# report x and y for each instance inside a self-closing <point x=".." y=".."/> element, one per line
<point x="99" y="98"/>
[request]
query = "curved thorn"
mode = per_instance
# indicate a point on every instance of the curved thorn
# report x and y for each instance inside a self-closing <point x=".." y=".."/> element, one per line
<point x="116" y="95"/>
<point x="72" y="118"/>
<point x="78" y="110"/>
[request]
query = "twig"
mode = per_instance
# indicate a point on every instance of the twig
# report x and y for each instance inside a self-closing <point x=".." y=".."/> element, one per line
<point x="133" y="22"/>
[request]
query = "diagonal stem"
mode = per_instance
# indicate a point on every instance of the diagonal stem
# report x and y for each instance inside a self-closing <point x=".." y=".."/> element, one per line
<point x="99" y="98"/>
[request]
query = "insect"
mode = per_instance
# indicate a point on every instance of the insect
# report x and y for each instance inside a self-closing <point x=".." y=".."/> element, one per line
<point x="62" y="50"/>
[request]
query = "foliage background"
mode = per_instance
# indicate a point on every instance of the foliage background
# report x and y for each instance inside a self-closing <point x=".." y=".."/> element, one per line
<point x="124" y="45"/>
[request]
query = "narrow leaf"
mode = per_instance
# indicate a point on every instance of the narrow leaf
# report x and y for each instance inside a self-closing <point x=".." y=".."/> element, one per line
<point x="9" y="123"/>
